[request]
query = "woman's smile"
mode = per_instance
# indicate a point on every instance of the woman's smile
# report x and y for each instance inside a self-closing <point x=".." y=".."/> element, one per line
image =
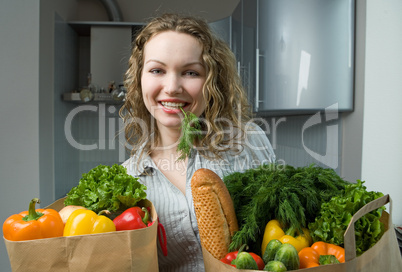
<point x="173" y="106"/>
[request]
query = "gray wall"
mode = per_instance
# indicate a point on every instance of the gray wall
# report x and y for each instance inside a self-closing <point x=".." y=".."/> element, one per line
<point x="138" y="11"/>
<point x="66" y="157"/>
<point x="26" y="106"/>
<point x="19" y="109"/>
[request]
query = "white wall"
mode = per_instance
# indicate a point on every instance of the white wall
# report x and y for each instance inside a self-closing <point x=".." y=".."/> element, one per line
<point x="372" y="148"/>
<point x="382" y="121"/>
<point x="111" y="45"/>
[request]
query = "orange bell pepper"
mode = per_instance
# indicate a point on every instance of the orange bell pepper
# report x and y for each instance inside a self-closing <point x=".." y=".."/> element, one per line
<point x="313" y="256"/>
<point x="33" y="224"/>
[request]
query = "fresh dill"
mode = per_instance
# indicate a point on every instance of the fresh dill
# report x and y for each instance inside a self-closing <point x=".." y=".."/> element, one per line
<point x="190" y="131"/>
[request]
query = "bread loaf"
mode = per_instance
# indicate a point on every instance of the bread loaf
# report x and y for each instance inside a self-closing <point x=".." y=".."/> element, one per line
<point x="214" y="210"/>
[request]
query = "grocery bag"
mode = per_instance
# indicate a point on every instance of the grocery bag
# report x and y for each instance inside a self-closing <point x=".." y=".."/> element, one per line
<point x="384" y="256"/>
<point x="133" y="250"/>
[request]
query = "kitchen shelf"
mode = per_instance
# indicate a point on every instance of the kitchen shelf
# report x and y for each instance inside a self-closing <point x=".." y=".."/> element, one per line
<point x="98" y="98"/>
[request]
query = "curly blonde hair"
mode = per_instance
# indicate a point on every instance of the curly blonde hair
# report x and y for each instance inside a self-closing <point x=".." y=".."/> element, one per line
<point x="223" y="90"/>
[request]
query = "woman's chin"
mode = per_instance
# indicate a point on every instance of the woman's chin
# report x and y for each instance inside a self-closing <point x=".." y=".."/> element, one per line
<point x="170" y="124"/>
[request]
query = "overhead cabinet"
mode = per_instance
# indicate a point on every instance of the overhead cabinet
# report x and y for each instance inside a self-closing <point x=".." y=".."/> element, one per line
<point x="105" y="48"/>
<point x="295" y="56"/>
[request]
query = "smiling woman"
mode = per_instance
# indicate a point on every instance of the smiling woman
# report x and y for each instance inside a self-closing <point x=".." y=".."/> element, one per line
<point x="172" y="78"/>
<point x="182" y="82"/>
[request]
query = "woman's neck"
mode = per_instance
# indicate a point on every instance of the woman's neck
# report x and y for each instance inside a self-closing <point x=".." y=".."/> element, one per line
<point x="167" y="142"/>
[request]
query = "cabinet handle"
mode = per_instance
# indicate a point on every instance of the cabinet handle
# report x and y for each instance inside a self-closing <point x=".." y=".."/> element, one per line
<point x="257" y="79"/>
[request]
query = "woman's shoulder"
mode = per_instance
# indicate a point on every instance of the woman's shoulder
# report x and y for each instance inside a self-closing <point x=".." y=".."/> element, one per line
<point x="256" y="135"/>
<point x="253" y="126"/>
<point x="257" y="143"/>
<point x="131" y="165"/>
<point x="137" y="163"/>
<point x="247" y="152"/>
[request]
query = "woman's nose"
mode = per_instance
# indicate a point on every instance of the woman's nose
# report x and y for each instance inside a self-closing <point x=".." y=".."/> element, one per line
<point x="173" y="84"/>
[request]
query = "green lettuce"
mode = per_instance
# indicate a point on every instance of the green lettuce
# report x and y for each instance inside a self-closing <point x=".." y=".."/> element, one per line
<point x="107" y="188"/>
<point x="334" y="217"/>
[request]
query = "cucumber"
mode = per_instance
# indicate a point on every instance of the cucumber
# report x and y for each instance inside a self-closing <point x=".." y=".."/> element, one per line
<point x="287" y="254"/>
<point x="271" y="249"/>
<point x="275" y="266"/>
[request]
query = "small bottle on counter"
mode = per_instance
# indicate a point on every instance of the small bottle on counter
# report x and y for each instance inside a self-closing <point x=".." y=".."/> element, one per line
<point x="91" y="87"/>
<point x="86" y="95"/>
<point x="87" y="92"/>
<point x="112" y="86"/>
<point x="120" y="93"/>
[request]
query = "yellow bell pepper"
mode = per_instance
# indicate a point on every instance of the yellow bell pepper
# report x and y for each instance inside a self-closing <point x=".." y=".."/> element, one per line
<point x="87" y="222"/>
<point x="273" y="230"/>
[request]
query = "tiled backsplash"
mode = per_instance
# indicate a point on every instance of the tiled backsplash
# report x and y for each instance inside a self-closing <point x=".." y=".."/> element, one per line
<point x="305" y="139"/>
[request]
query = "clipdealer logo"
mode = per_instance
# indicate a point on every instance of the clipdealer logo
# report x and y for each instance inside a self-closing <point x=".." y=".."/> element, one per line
<point x="329" y="158"/>
<point x="110" y="131"/>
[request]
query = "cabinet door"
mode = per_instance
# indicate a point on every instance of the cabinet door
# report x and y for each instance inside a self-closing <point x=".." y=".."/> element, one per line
<point x="249" y="39"/>
<point x="237" y="34"/>
<point x="244" y="35"/>
<point x="306" y="55"/>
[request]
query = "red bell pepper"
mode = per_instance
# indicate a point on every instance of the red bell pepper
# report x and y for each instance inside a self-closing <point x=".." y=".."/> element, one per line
<point x="132" y="218"/>
<point x="233" y="255"/>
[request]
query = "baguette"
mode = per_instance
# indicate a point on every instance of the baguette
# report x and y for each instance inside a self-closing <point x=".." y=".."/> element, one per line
<point x="215" y="212"/>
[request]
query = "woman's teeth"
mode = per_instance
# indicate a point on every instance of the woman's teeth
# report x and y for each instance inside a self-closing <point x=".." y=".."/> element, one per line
<point x="172" y="105"/>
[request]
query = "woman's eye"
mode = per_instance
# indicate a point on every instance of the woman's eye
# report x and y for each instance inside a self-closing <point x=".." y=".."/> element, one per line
<point x="156" y="71"/>
<point x="192" y="73"/>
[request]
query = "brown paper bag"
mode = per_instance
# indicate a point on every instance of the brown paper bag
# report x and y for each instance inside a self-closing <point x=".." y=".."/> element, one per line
<point x="134" y="250"/>
<point x="384" y="256"/>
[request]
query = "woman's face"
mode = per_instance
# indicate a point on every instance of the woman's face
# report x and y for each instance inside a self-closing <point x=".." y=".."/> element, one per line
<point x="172" y="77"/>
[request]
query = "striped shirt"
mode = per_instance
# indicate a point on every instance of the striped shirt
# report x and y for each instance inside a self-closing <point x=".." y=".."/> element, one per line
<point x="176" y="211"/>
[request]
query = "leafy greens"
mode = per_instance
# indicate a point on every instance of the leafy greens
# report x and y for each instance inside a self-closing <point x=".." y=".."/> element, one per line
<point x="334" y="217"/>
<point x="107" y="188"/>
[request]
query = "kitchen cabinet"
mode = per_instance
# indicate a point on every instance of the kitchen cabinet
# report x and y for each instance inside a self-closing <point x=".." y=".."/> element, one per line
<point x="243" y="43"/>
<point x="295" y="56"/>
